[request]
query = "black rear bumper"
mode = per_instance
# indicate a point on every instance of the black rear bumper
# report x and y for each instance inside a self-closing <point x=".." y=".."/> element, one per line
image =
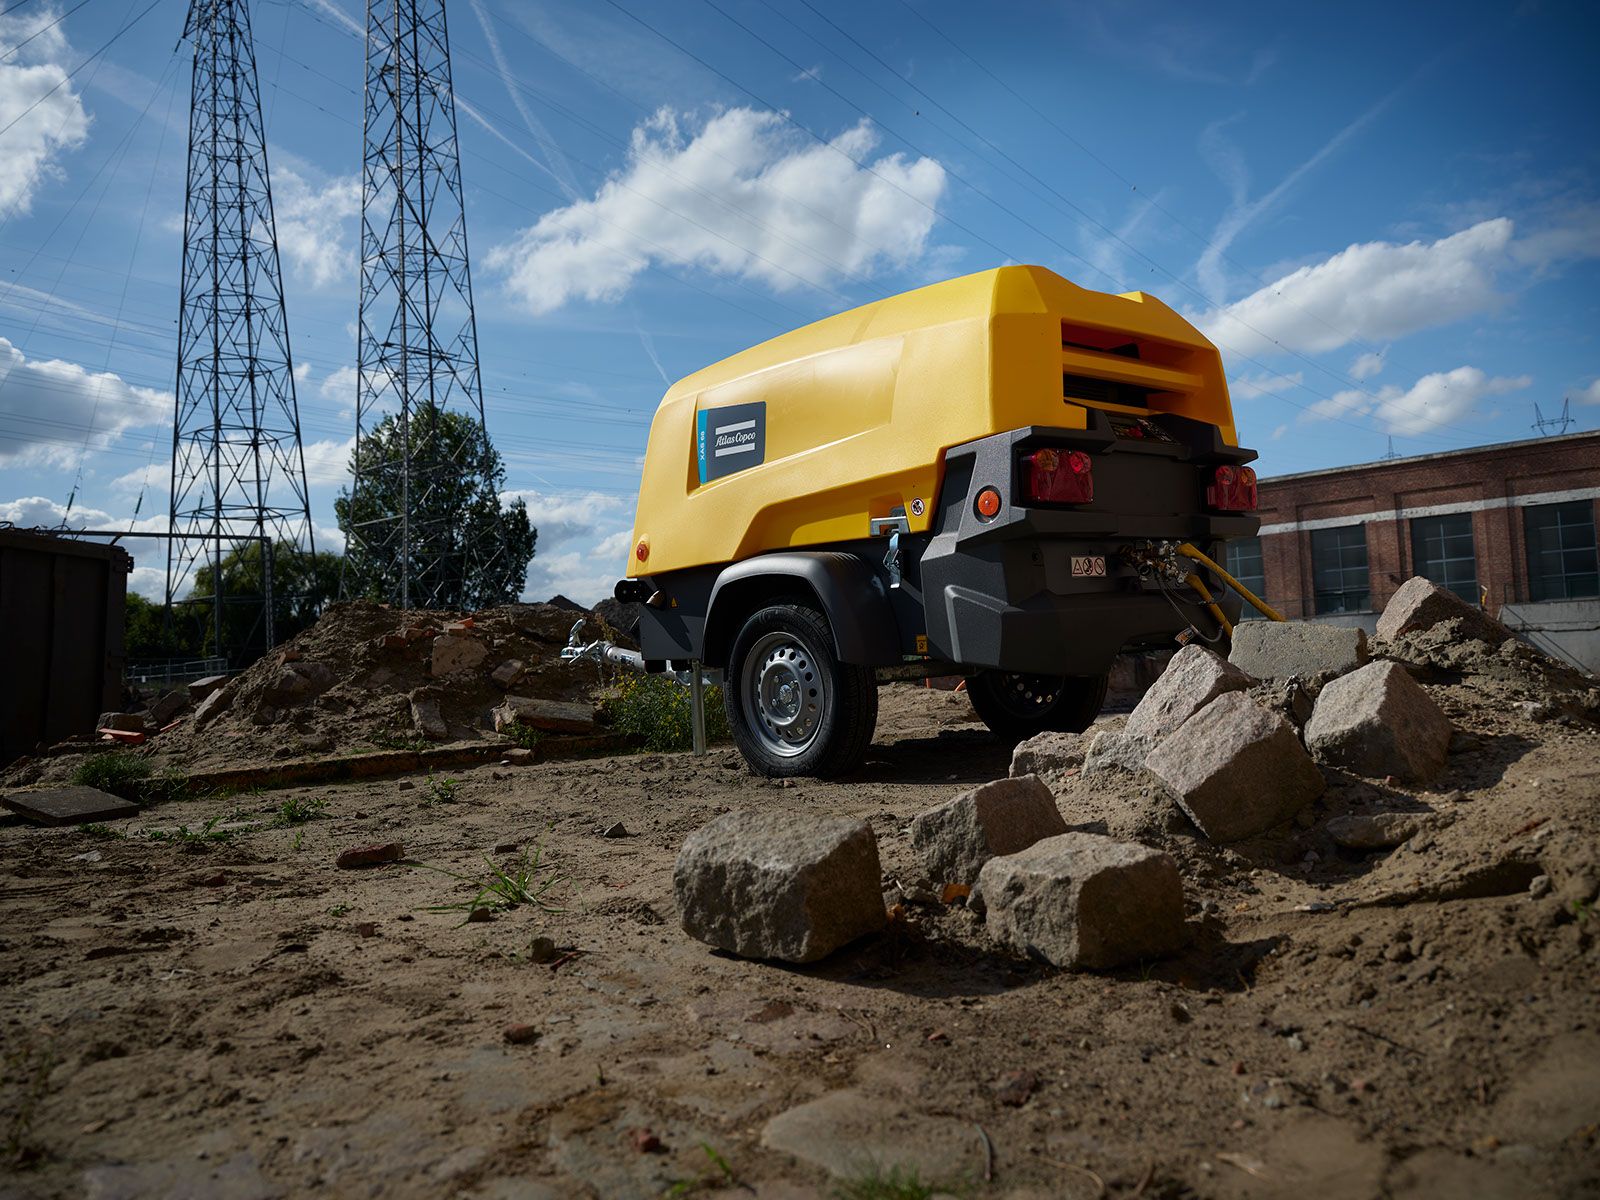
<point x="1001" y="593"/>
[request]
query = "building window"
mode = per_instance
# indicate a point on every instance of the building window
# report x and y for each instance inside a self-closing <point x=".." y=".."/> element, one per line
<point x="1339" y="569"/>
<point x="1441" y="550"/>
<point x="1242" y="557"/>
<point x="1561" y="551"/>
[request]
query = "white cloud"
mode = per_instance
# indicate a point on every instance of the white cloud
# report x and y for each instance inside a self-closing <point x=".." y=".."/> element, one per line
<point x="314" y="220"/>
<point x="31" y="83"/>
<point x="1248" y="387"/>
<point x="51" y="410"/>
<point x="1366" y="365"/>
<point x="583" y="543"/>
<point x="743" y="197"/>
<point x="149" y="580"/>
<point x="328" y="461"/>
<point x="1588" y="395"/>
<point x="1433" y="401"/>
<point x="1370" y="291"/>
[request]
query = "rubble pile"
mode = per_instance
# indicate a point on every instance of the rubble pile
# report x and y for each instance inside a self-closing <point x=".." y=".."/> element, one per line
<point x="1306" y="745"/>
<point x="368" y="677"/>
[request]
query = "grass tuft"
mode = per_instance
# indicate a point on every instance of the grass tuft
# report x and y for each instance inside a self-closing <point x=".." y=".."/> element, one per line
<point x="527" y="881"/>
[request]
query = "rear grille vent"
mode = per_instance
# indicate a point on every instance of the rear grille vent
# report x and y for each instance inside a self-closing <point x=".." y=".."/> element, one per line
<point x="1103" y="391"/>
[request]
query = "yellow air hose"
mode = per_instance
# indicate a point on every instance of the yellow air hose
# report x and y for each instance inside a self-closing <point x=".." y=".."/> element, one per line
<point x="1259" y="604"/>
<point x="1205" y="594"/>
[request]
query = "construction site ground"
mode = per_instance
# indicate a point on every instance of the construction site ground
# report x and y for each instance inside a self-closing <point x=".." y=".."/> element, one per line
<point x="188" y="1016"/>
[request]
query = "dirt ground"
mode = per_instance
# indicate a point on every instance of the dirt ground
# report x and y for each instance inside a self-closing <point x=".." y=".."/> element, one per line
<point x="187" y="1017"/>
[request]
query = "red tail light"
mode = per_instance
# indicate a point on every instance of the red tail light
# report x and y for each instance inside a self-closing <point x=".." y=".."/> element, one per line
<point x="1058" y="476"/>
<point x="1233" y="489"/>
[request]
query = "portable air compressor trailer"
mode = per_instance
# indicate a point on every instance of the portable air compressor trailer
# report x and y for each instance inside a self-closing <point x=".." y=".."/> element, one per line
<point x="987" y="477"/>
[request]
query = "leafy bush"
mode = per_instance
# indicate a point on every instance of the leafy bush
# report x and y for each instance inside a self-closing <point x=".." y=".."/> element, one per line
<point x="653" y="710"/>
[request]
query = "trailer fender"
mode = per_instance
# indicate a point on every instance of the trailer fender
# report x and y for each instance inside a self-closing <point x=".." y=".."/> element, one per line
<point x="850" y="591"/>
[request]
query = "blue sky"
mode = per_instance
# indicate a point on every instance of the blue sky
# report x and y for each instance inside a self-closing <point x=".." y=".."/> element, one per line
<point x="1387" y="216"/>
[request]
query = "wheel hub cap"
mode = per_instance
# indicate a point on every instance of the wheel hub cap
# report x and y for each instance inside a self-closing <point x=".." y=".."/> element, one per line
<point x="783" y="694"/>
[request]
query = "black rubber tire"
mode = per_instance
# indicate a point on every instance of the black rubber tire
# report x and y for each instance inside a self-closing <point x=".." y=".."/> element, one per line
<point x="1016" y="706"/>
<point x="845" y="727"/>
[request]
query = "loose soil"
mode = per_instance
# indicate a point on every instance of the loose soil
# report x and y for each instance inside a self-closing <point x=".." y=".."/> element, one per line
<point x="240" y="1018"/>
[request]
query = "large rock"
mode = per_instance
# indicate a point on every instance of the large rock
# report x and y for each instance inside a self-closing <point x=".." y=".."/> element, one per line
<point x="1376" y="831"/>
<point x="166" y="707"/>
<point x="1113" y="750"/>
<point x="125" y="722"/>
<point x="1421" y="604"/>
<point x="1236" y="770"/>
<point x="790" y="886"/>
<point x="213" y="706"/>
<point x="1297" y="649"/>
<point x="199" y="689"/>
<point x="426" y="716"/>
<point x="953" y="841"/>
<point x="1378" y="721"/>
<point x="1081" y="900"/>
<point x="553" y="716"/>
<point x="298" y="683"/>
<point x="1048" y="754"/>
<point x="1193" y="679"/>
<point x="454" y="652"/>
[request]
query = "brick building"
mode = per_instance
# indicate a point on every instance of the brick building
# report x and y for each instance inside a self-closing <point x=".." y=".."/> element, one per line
<point x="1510" y="527"/>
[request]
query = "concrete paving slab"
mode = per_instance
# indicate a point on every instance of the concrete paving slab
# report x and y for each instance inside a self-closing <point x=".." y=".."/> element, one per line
<point x="68" y="805"/>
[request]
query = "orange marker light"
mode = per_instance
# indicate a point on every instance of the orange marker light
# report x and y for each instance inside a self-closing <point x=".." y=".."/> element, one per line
<point x="642" y="550"/>
<point x="988" y="503"/>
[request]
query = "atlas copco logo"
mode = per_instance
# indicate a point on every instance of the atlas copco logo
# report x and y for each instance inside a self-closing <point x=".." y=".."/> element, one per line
<point x="730" y="439"/>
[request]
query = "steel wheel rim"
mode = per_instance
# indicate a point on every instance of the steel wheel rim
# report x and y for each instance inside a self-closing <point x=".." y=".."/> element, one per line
<point x="1027" y="695"/>
<point x="785" y="694"/>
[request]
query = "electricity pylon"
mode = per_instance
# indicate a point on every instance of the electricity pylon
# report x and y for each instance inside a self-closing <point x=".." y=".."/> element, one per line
<point x="238" y="470"/>
<point x="420" y="436"/>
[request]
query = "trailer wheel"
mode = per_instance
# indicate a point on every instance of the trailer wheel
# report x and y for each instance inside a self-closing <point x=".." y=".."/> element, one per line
<point x="793" y="707"/>
<point x="1016" y="706"/>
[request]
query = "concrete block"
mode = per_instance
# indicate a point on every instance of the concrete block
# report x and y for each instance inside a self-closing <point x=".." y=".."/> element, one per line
<point x="1048" y="754"/>
<point x="1421" y="604"/>
<point x="791" y="886"/>
<point x="1236" y="770"/>
<point x="1297" y="649"/>
<point x="454" y="652"/>
<point x="426" y="717"/>
<point x="1084" y="901"/>
<point x="1378" y="721"/>
<point x="166" y="707"/>
<point x="552" y="716"/>
<point x="1193" y="679"/>
<point x="953" y="841"/>
<point x="74" y="805"/>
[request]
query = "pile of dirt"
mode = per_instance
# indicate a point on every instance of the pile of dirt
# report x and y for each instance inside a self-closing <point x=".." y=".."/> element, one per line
<point x="347" y="685"/>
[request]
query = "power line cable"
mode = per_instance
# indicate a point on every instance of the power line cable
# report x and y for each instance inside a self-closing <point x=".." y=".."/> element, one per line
<point x="67" y="78"/>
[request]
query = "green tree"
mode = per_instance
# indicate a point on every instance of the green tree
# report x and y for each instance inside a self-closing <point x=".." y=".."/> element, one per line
<point x="302" y="584"/>
<point x="146" y="634"/>
<point x="467" y="552"/>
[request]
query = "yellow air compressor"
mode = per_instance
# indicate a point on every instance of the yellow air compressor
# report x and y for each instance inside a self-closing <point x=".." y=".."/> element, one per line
<point x="988" y="477"/>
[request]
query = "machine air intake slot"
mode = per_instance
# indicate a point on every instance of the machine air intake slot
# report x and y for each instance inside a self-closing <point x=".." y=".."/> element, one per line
<point x="1103" y="391"/>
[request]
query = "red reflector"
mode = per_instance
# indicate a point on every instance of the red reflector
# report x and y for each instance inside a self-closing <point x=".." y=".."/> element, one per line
<point x="988" y="503"/>
<point x="1057" y="477"/>
<point x="1233" y="490"/>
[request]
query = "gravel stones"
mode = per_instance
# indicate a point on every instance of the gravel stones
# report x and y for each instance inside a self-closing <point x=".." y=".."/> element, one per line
<point x="1236" y="770"/>
<point x="953" y="841"/>
<point x="787" y="886"/>
<point x="454" y="652"/>
<point x="1084" y="901"/>
<point x="1297" y="649"/>
<point x="1378" y="721"/>
<point x="1421" y="604"/>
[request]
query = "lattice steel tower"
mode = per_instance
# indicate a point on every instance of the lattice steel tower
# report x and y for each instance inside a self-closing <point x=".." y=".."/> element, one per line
<point x="418" y="354"/>
<point x="238" y="471"/>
